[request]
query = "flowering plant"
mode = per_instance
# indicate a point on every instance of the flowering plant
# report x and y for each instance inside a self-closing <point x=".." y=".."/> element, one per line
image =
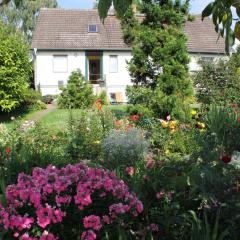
<point x="66" y="204"/>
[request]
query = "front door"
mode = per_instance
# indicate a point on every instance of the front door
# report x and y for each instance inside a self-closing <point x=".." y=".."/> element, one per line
<point x="94" y="70"/>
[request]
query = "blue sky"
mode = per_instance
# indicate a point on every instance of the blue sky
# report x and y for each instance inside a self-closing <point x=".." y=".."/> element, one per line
<point x="196" y="5"/>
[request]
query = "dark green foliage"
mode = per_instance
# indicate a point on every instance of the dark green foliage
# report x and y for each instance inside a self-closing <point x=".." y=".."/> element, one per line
<point x="219" y="82"/>
<point x="77" y="94"/>
<point x="159" y="67"/>
<point x="15" y="68"/>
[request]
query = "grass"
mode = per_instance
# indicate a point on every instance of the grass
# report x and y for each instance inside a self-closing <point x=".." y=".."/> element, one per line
<point x="20" y="116"/>
<point x="58" y="118"/>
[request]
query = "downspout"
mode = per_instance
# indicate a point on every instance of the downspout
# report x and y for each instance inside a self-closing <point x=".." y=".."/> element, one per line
<point x="35" y="69"/>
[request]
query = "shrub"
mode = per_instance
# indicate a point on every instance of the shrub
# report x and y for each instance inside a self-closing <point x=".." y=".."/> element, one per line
<point x="48" y="99"/>
<point x="32" y="100"/>
<point x="103" y="97"/>
<point x="123" y="149"/>
<point x="15" y="68"/>
<point x="223" y="124"/>
<point x="218" y="82"/>
<point x="77" y="94"/>
<point x="68" y="203"/>
<point x="29" y="148"/>
<point x="86" y="133"/>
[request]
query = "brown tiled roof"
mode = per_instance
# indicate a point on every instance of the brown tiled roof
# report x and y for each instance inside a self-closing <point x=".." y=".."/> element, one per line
<point x="68" y="29"/>
<point x="202" y="37"/>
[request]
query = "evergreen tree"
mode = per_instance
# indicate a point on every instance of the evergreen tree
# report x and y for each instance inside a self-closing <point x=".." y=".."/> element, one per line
<point x="159" y="67"/>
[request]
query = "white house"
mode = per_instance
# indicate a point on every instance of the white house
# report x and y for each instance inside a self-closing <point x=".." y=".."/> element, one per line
<point x="66" y="40"/>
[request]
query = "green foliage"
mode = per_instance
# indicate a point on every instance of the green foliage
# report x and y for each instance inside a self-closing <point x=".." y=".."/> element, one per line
<point x="15" y="69"/>
<point x="32" y="100"/>
<point x="224" y="123"/>
<point x="85" y="134"/>
<point x="123" y="149"/>
<point x="31" y="148"/>
<point x="222" y="16"/>
<point x="218" y="82"/>
<point x="139" y="110"/>
<point x="23" y="15"/>
<point x="159" y="67"/>
<point x="77" y="94"/>
<point x="103" y="97"/>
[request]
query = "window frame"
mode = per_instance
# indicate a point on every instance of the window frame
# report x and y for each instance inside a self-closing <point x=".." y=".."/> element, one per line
<point x="110" y="69"/>
<point x="91" y="25"/>
<point x="60" y="55"/>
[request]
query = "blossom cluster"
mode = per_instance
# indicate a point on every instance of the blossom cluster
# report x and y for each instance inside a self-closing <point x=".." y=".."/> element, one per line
<point x="46" y="198"/>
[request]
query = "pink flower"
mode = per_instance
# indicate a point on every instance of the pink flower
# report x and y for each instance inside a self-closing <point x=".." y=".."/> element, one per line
<point x="93" y="222"/>
<point x="130" y="171"/>
<point x="88" y="235"/>
<point x="160" y="195"/>
<point x="153" y="227"/>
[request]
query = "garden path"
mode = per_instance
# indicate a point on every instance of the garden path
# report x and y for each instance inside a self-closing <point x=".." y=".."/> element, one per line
<point x="40" y="114"/>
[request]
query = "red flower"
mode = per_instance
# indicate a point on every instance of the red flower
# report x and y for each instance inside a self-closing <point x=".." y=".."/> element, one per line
<point x="234" y="105"/>
<point x="134" y="117"/>
<point x="239" y="119"/>
<point x="226" y="159"/>
<point x="99" y="100"/>
<point x="8" y="150"/>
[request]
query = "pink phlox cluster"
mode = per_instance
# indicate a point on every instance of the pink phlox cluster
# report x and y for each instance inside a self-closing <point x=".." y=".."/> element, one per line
<point x="49" y="193"/>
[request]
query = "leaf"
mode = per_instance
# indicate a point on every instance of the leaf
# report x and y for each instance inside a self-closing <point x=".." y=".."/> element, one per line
<point x="121" y="6"/>
<point x="208" y="10"/>
<point x="103" y="7"/>
<point x="237" y="30"/>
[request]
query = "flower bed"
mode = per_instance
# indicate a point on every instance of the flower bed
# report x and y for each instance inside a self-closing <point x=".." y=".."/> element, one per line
<point x="67" y="203"/>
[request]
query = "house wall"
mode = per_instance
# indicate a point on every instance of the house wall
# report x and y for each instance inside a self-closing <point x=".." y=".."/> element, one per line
<point x="117" y="82"/>
<point x="195" y="57"/>
<point x="47" y="79"/>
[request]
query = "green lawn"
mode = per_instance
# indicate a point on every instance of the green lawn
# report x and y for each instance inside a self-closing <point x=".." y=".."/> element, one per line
<point x="58" y="118"/>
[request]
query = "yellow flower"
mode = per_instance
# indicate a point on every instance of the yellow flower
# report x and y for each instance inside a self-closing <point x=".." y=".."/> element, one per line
<point x="201" y="125"/>
<point x="164" y="124"/>
<point x="172" y="124"/>
<point x="97" y="142"/>
<point x="194" y="112"/>
<point x="167" y="152"/>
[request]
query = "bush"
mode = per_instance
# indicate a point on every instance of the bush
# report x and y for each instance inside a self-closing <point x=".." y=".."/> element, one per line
<point x="29" y="148"/>
<point x="15" y="68"/>
<point x="218" y="82"/>
<point x="123" y="149"/>
<point x="103" y="97"/>
<point x="68" y="203"/>
<point x="32" y="100"/>
<point x="86" y="133"/>
<point x="77" y="94"/>
<point x="48" y="99"/>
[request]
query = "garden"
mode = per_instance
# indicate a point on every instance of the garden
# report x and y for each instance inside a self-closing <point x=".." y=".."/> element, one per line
<point x="165" y="166"/>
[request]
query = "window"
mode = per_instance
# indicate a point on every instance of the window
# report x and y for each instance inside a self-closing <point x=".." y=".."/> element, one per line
<point x="92" y="28"/>
<point x="113" y="65"/>
<point x="60" y="63"/>
<point x="60" y="83"/>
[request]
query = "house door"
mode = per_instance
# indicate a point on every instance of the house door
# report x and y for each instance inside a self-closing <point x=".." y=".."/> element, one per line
<point x="94" y="67"/>
<point x="94" y="70"/>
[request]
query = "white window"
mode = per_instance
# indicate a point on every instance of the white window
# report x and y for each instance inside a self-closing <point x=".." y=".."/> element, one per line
<point x="113" y="64"/>
<point x="92" y="28"/>
<point x="60" y="63"/>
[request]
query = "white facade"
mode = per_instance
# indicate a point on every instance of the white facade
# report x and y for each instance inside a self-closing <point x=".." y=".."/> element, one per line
<point x="50" y="74"/>
<point x="48" y="79"/>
